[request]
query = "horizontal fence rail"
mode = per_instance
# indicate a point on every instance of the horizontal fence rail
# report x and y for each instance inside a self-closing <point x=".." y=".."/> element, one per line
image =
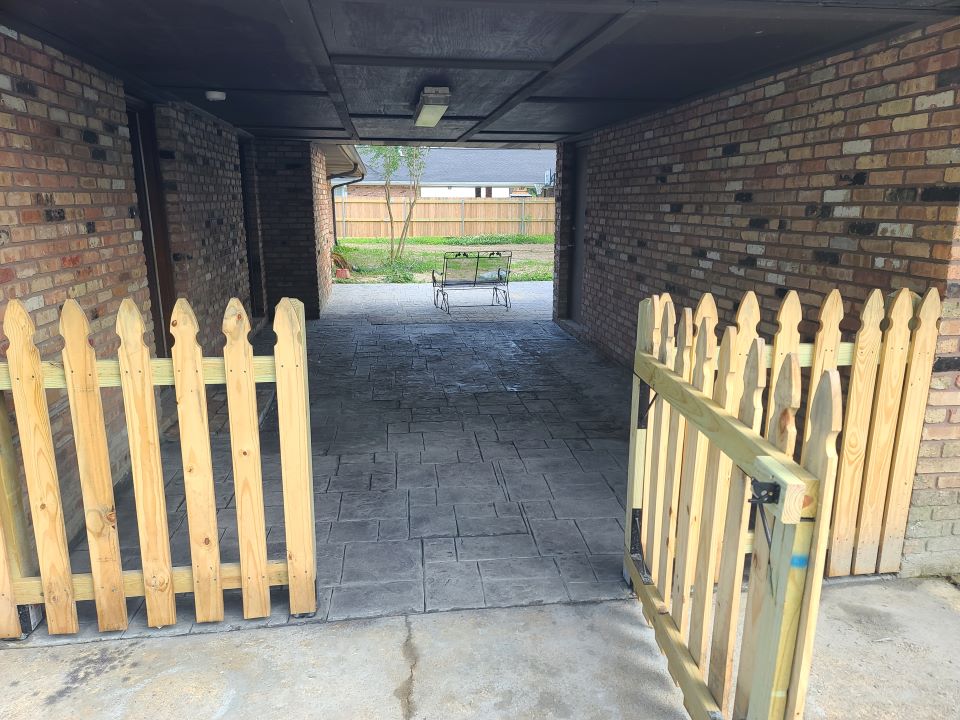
<point x="722" y="477"/>
<point x="108" y="584"/>
<point x="441" y="217"/>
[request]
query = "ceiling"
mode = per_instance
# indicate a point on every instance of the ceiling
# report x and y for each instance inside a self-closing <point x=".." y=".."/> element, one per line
<point x="522" y="73"/>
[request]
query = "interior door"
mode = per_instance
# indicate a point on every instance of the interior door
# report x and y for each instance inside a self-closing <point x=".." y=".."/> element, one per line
<point x="578" y="250"/>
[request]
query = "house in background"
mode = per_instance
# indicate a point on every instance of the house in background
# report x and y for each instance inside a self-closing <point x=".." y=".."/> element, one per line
<point x="466" y="173"/>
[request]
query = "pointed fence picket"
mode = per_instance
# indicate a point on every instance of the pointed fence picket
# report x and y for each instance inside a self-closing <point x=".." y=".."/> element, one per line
<point x="93" y="459"/>
<point x="706" y="490"/>
<point x="48" y="578"/>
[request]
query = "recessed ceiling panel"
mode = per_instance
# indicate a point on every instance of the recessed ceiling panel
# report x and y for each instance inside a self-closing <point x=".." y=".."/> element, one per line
<point x="183" y="42"/>
<point x="670" y="58"/>
<point x="455" y="30"/>
<point x="264" y="108"/>
<point x="396" y="90"/>
<point x="567" y="117"/>
<point x="404" y="129"/>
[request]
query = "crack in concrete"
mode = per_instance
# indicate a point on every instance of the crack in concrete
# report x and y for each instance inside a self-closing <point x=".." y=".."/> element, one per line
<point x="404" y="691"/>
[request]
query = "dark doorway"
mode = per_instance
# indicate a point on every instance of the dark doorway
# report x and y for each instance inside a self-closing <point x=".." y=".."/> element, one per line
<point x="251" y="226"/>
<point x="578" y="251"/>
<point x="156" y="243"/>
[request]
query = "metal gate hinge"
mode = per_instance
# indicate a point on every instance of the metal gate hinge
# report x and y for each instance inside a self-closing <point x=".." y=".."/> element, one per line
<point x="764" y="493"/>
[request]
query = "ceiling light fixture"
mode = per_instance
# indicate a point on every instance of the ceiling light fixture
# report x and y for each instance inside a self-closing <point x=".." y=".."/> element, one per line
<point x="215" y="95"/>
<point x="434" y="102"/>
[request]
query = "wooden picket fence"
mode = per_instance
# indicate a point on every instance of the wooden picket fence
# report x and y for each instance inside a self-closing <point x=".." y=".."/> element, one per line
<point x="708" y="447"/>
<point x="443" y="217"/>
<point x="137" y="374"/>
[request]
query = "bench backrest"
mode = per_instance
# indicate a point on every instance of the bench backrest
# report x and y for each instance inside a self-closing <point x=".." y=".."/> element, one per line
<point x="476" y="267"/>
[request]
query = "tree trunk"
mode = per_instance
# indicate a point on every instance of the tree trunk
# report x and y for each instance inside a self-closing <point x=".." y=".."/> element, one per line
<point x="406" y="223"/>
<point x="386" y="190"/>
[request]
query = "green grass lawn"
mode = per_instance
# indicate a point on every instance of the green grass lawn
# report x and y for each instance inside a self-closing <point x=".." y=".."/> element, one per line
<point x="469" y="240"/>
<point x="369" y="257"/>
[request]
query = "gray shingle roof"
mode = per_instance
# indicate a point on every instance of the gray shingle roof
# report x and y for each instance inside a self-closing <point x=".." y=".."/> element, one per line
<point x="476" y="165"/>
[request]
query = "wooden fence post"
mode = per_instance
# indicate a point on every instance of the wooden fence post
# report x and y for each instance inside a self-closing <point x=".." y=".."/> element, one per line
<point x="782" y="434"/>
<point x="729" y="584"/>
<point x="140" y="409"/>
<point x="923" y="346"/>
<point x="93" y="462"/>
<point x="787" y="622"/>
<point x="674" y="457"/>
<point x="12" y="515"/>
<point x="638" y="434"/>
<point x="245" y="452"/>
<point x="40" y="469"/>
<point x="197" y="463"/>
<point x="732" y="377"/>
<point x="883" y="431"/>
<point x="693" y="467"/>
<point x="13" y="533"/>
<point x="653" y="502"/>
<point x="822" y="463"/>
<point x="856" y="432"/>
<point x="296" y="460"/>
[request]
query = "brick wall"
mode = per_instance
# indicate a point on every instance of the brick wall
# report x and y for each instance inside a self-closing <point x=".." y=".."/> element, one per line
<point x="203" y="197"/>
<point x="296" y="222"/>
<point x="933" y="535"/>
<point x="68" y="226"/>
<point x="842" y="172"/>
<point x="563" y="236"/>
<point x="322" y="222"/>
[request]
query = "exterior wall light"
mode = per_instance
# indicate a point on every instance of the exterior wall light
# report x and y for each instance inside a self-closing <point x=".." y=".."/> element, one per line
<point x="215" y="95"/>
<point x="434" y="102"/>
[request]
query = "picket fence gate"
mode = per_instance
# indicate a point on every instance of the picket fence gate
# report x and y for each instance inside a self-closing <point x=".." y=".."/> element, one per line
<point x="714" y="476"/>
<point x="137" y="374"/>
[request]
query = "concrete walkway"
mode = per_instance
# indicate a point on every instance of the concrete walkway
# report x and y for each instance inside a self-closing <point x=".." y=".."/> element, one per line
<point x="885" y="649"/>
<point x="581" y="662"/>
<point x="470" y="460"/>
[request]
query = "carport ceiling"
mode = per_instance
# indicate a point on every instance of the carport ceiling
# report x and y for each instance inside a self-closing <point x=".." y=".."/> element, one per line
<point x="520" y="72"/>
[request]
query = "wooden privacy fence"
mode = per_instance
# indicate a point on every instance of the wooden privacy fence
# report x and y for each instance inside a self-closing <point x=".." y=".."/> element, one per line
<point x="441" y="217"/>
<point x="717" y="438"/>
<point x="137" y="374"/>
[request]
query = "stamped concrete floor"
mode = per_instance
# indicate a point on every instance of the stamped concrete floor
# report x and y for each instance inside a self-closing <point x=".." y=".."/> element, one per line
<point x="464" y="461"/>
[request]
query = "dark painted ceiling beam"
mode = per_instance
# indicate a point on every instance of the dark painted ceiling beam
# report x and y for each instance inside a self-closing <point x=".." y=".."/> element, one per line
<point x="603" y="7"/>
<point x="409" y="116"/>
<point x="759" y="9"/>
<point x="297" y="128"/>
<point x="795" y="10"/>
<point x="606" y="34"/>
<point x="535" y="133"/>
<point x="571" y="100"/>
<point x="248" y="91"/>
<point x="440" y="62"/>
<point x="301" y="15"/>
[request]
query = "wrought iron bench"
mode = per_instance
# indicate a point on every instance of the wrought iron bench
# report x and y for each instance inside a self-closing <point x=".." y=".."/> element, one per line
<point x="471" y="271"/>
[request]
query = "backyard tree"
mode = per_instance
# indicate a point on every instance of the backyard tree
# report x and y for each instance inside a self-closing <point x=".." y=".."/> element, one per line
<point x="387" y="161"/>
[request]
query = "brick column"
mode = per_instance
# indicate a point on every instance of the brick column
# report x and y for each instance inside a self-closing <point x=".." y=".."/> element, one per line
<point x="932" y="544"/>
<point x="563" y="234"/>
<point x="296" y="222"/>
